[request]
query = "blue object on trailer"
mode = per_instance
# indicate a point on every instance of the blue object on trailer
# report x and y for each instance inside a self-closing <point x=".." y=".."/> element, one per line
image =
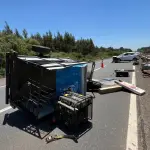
<point x="73" y="77"/>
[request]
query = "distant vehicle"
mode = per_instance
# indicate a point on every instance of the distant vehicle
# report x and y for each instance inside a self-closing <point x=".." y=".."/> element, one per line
<point x="128" y="56"/>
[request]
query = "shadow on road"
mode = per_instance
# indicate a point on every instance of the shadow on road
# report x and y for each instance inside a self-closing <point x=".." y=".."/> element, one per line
<point x="42" y="128"/>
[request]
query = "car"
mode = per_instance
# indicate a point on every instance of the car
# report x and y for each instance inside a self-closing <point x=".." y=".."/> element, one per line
<point x="128" y="56"/>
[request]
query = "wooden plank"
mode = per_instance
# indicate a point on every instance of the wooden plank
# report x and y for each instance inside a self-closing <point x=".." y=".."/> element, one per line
<point x="130" y="87"/>
<point x="110" y="89"/>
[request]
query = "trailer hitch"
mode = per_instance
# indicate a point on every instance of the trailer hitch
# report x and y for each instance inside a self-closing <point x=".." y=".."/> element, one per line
<point x="92" y="84"/>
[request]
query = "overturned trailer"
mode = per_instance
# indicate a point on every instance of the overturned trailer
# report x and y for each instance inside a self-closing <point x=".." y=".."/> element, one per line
<point x="41" y="86"/>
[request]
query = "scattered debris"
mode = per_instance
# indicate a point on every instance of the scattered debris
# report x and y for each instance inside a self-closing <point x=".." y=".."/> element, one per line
<point x="146" y="73"/>
<point x="131" y="87"/>
<point x="110" y="85"/>
<point x="145" y="68"/>
<point x="110" y="89"/>
<point x="136" y="62"/>
<point x="107" y="82"/>
<point x="75" y="108"/>
<point x="123" y="72"/>
<point x="108" y="79"/>
<point x="57" y="137"/>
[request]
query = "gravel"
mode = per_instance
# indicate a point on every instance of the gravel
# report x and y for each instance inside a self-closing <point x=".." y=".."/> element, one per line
<point x="143" y="106"/>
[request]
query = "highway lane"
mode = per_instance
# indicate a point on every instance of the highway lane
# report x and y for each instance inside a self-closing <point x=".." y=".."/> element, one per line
<point x="109" y="124"/>
<point x="2" y="98"/>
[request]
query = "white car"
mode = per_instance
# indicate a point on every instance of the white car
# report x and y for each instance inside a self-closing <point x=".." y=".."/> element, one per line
<point x="128" y="56"/>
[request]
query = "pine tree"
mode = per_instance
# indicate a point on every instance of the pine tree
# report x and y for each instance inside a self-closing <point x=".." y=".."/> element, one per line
<point x="25" y="33"/>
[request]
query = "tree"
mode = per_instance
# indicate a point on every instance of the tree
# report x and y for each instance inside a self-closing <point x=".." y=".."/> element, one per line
<point x="25" y="33"/>
<point x="48" y="39"/>
<point x="58" y="42"/>
<point x="69" y="42"/>
<point x="7" y="29"/>
<point x="17" y="33"/>
<point x="37" y="37"/>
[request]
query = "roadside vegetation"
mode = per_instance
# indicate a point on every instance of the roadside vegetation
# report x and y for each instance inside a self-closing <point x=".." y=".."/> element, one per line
<point x="62" y="45"/>
<point x="144" y="49"/>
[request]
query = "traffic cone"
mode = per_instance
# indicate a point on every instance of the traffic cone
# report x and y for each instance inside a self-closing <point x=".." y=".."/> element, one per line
<point x="102" y="64"/>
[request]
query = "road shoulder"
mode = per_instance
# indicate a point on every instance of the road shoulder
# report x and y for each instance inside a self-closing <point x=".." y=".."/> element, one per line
<point x="143" y="107"/>
<point x="2" y="81"/>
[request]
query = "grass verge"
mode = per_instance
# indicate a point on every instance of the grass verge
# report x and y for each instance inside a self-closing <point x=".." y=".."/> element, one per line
<point x="89" y="57"/>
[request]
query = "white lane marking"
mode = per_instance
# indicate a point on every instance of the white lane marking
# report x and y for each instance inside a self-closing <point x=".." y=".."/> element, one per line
<point x="97" y="69"/>
<point x="2" y="86"/>
<point x="100" y="68"/>
<point x="5" y="109"/>
<point x="132" y="135"/>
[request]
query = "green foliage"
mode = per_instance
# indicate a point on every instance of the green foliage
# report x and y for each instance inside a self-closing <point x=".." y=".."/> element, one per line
<point x="25" y="33"/>
<point x="7" y="29"/>
<point x="17" y="33"/>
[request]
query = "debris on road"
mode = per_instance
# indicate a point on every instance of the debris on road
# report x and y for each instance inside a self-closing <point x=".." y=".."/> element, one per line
<point x="123" y="72"/>
<point x="111" y="85"/>
<point x="107" y="82"/>
<point x="58" y="137"/>
<point x="130" y="87"/>
<point x="145" y="65"/>
<point x="145" y="68"/>
<point x="110" y="89"/>
<point x="75" y="108"/>
<point x="146" y="73"/>
<point x="136" y="62"/>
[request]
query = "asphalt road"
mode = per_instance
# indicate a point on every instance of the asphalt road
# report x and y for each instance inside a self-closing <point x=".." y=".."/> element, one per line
<point x="108" y="128"/>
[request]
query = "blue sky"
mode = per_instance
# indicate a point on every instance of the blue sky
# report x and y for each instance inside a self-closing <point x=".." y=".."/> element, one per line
<point x="113" y="23"/>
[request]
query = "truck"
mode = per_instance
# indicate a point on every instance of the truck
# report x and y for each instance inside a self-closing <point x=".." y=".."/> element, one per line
<point x="40" y="86"/>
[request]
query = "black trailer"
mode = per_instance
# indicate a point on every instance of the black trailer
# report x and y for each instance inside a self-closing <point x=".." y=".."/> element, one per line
<point x="31" y="87"/>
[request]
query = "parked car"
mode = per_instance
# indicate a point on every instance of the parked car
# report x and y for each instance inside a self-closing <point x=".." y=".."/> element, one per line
<point x="128" y="56"/>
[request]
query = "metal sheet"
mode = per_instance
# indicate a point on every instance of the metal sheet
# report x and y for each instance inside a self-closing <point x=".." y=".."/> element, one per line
<point x="30" y="58"/>
<point x="51" y="65"/>
<point x="55" y="68"/>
